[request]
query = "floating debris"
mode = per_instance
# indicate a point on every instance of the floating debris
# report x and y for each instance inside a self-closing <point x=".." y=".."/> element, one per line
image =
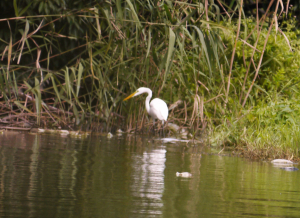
<point x="281" y="161"/>
<point x="173" y="127"/>
<point x="109" y="135"/>
<point x="119" y="131"/>
<point x="34" y="130"/>
<point x="51" y="131"/>
<point x="183" y="133"/>
<point x="41" y="130"/>
<point x="64" y="132"/>
<point x="283" y="164"/>
<point x="174" y="105"/>
<point x="184" y="174"/>
<point x="190" y="136"/>
<point x="172" y="140"/>
<point x="289" y="168"/>
<point x="78" y="134"/>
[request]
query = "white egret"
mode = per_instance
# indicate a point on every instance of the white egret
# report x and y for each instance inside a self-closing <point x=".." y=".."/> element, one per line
<point x="157" y="108"/>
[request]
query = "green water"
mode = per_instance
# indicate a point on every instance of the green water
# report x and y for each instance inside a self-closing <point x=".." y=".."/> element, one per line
<point x="56" y="176"/>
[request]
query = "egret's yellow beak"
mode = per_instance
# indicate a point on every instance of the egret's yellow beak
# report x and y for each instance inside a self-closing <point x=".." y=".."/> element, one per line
<point x="130" y="96"/>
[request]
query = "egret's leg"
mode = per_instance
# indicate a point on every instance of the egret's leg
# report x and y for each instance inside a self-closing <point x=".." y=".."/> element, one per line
<point x="154" y="126"/>
<point x="163" y="128"/>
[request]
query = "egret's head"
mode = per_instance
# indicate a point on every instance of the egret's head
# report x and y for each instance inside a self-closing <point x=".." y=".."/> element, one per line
<point x="138" y="92"/>
<point x="130" y="96"/>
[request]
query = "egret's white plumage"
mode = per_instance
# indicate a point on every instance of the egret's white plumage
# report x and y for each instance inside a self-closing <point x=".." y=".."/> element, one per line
<point x="157" y="108"/>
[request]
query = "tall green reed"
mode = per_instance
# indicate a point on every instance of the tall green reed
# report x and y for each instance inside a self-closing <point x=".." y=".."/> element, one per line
<point x="216" y="63"/>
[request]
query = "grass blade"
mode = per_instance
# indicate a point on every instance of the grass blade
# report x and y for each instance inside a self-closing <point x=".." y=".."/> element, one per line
<point x="24" y="38"/>
<point x="16" y="8"/>
<point x="172" y="38"/>
<point x="80" y="71"/>
<point x="203" y="46"/>
<point x="134" y="15"/>
<point x="38" y="100"/>
<point x="22" y="106"/>
<point x="9" y="50"/>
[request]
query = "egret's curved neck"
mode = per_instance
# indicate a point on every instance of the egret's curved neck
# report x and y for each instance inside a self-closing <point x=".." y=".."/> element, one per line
<point x="147" y="102"/>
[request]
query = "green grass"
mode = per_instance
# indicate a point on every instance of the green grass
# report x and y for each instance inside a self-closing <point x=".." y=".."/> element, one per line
<point x="269" y="130"/>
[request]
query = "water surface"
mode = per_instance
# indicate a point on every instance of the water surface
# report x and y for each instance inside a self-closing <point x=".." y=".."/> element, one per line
<point x="126" y="176"/>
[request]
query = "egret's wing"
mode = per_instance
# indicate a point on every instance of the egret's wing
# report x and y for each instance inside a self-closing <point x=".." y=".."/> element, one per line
<point x="159" y="109"/>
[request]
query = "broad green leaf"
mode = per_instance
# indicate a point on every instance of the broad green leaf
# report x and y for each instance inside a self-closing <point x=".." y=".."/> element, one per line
<point x="55" y="89"/>
<point x="203" y="45"/>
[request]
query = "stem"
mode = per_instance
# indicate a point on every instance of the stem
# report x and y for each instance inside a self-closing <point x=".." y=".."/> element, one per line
<point x="252" y="55"/>
<point x="261" y="57"/>
<point x="233" y="52"/>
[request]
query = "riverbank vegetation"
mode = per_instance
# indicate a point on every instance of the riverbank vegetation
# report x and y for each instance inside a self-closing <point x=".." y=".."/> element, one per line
<point x="226" y="73"/>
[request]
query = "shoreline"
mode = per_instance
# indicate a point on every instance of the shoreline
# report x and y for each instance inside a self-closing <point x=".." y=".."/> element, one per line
<point x="243" y="151"/>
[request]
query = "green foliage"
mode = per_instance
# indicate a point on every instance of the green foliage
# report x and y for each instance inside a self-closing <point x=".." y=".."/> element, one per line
<point x="83" y="57"/>
<point x="279" y="66"/>
<point x="272" y="116"/>
<point x="120" y="45"/>
<point x="274" y="124"/>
